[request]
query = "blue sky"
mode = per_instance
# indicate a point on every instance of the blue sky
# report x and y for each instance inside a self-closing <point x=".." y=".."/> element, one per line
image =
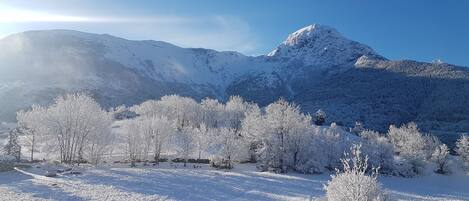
<point x="421" y="30"/>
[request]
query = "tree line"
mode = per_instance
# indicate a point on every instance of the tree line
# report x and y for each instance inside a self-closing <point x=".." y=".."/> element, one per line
<point x="278" y="137"/>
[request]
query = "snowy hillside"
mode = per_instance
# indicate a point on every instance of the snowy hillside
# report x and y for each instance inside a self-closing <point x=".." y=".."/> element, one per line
<point x="315" y="67"/>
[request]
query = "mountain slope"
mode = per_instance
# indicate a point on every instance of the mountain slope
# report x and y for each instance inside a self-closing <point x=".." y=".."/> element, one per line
<point x="315" y="67"/>
<point x="380" y="92"/>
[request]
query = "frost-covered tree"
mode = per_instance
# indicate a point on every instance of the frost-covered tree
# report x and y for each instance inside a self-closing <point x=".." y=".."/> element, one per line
<point x="235" y="110"/>
<point x="201" y="136"/>
<point x="149" y="108"/>
<point x="161" y="130"/>
<point x="333" y="143"/>
<point x="132" y="136"/>
<point x="440" y="156"/>
<point x="74" y="119"/>
<point x="146" y="130"/>
<point x="280" y="134"/>
<point x="212" y="112"/>
<point x="13" y="148"/>
<point x="68" y="125"/>
<point x="231" y="147"/>
<point x="252" y="130"/>
<point x="184" y="110"/>
<point x="146" y="134"/>
<point x="379" y="150"/>
<point x="310" y="156"/>
<point x="409" y="141"/>
<point x="29" y="123"/>
<point x="431" y="142"/>
<point x="98" y="144"/>
<point x="462" y="148"/>
<point x="185" y="143"/>
<point x="414" y="147"/>
<point x="299" y="140"/>
<point x="284" y="138"/>
<point x="353" y="184"/>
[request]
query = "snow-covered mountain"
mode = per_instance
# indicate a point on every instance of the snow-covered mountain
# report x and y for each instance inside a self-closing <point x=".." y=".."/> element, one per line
<point x="319" y="46"/>
<point x="315" y="67"/>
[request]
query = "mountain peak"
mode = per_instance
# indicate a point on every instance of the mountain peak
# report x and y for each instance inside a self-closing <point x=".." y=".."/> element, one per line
<point x="321" y="46"/>
<point x="311" y="31"/>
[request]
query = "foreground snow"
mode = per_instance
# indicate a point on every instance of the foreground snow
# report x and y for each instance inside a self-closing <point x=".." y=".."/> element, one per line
<point x="177" y="183"/>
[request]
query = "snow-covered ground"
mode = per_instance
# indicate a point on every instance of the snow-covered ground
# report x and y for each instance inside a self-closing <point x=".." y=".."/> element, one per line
<point x="168" y="182"/>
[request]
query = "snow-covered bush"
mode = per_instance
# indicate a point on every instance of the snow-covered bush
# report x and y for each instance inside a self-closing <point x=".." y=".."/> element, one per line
<point x="353" y="184"/>
<point x="440" y="156"/>
<point x="462" y="148"/>
<point x="407" y="139"/>
<point x="410" y="166"/>
<point x="413" y="148"/>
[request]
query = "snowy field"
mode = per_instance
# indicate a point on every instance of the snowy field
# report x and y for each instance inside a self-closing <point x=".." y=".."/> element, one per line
<point x="177" y="183"/>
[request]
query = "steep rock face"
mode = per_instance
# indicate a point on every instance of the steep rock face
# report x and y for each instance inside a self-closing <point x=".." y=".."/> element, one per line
<point x="315" y="67"/>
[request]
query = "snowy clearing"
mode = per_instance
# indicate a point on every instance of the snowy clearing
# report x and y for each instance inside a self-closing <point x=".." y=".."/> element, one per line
<point x="177" y="183"/>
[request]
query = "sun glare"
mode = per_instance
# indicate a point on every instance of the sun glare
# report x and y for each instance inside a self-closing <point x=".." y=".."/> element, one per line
<point x="13" y="15"/>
